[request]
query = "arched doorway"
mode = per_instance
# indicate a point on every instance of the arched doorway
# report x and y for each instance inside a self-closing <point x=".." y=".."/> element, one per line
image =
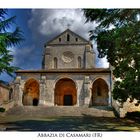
<point x="100" y="93"/>
<point x="65" y="92"/>
<point x="31" y="92"/>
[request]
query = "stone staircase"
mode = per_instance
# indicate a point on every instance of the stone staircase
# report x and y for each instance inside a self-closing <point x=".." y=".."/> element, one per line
<point x="45" y="111"/>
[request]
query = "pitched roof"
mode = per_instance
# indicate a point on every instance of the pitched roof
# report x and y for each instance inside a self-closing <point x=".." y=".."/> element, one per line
<point x="57" y="41"/>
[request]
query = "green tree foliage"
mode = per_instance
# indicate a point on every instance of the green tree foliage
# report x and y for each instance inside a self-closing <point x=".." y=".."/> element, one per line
<point x="118" y="37"/>
<point x="8" y="38"/>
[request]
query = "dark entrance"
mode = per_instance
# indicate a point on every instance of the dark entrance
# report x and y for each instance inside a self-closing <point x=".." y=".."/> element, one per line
<point x="68" y="100"/>
<point x="65" y="93"/>
<point x="35" y="102"/>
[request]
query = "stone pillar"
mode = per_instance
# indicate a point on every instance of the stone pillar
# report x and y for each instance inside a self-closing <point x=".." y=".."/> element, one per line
<point x="42" y="90"/>
<point x="17" y="92"/>
<point x="86" y="91"/>
<point x="78" y="92"/>
<point x="89" y="57"/>
<point x="110" y="99"/>
<point x="48" y="58"/>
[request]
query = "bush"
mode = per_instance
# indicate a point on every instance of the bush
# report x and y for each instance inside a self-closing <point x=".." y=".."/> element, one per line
<point x="2" y="109"/>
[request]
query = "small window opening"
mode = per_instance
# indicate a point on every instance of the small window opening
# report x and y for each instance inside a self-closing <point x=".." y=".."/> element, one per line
<point x="68" y="37"/>
<point x="59" y="39"/>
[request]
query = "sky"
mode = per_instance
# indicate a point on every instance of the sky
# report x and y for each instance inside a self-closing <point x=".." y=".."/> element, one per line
<point x="41" y="25"/>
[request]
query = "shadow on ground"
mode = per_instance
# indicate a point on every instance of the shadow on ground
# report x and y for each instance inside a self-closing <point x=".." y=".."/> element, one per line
<point x="84" y="123"/>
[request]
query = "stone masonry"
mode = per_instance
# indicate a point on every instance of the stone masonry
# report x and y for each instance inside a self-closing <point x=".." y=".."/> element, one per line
<point x="68" y="60"/>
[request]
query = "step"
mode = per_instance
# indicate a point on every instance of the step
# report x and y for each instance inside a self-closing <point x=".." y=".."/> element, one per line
<point x="46" y="111"/>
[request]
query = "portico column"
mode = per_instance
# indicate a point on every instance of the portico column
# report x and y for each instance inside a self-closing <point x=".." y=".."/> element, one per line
<point x="42" y="90"/>
<point x="109" y="99"/>
<point x="17" y="92"/>
<point x="86" y="91"/>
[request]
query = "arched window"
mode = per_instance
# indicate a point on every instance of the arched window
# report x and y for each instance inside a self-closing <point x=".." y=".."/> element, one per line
<point x="55" y="63"/>
<point x="68" y="37"/>
<point x="79" y="62"/>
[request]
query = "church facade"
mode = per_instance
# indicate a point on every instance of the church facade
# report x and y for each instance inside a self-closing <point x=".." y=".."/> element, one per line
<point x="68" y="76"/>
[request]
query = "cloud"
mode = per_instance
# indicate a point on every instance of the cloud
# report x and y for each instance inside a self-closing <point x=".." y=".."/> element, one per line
<point x="100" y="62"/>
<point x="27" y="57"/>
<point x="45" y="24"/>
<point x="41" y="25"/>
<point x="49" y="22"/>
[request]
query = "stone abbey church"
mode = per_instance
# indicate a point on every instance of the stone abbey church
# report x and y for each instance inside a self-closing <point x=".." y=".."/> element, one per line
<point x="68" y="76"/>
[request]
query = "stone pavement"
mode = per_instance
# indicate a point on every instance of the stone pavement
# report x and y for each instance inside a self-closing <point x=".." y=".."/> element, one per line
<point x="77" y="123"/>
<point x="39" y="111"/>
<point x="64" y="119"/>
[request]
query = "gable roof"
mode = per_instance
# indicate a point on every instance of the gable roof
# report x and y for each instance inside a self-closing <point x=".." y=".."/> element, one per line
<point x="79" y="40"/>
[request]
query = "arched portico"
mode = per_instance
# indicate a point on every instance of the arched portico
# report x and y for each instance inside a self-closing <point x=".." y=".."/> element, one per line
<point x="31" y="92"/>
<point x="100" y="93"/>
<point x="65" y="92"/>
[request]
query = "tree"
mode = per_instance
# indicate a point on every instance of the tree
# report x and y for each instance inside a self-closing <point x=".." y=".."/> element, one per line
<point x="8" y="38"/>
<point x="118" y="37"/>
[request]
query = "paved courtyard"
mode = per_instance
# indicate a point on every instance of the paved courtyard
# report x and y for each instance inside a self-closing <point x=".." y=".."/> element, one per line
<point x="83" y="123"/>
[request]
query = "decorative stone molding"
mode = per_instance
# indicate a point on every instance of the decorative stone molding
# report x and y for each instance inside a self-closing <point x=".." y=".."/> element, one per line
<point x="67" y="56"/>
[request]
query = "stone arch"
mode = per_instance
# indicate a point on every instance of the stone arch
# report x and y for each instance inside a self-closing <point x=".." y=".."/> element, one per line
<point x="100" y="92"/>
<point x="64" y="77"/>
<point x="31" y="92"/>
<point x="65" y="92"/>
<point x="103" y="78"/>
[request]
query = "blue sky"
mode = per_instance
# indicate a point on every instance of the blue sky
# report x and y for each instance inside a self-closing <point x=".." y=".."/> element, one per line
<point x="41" y="25"/>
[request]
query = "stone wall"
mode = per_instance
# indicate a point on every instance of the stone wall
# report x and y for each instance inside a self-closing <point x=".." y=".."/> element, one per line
<point x="67" y="57"/>
<point x="4" y="94"/>
<point x="70" y="52"/>
<point x="128" y="106"/>
<point x="64" y="39"/>
<point x="53" y="79"/>
<point x="47" y="83"/>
